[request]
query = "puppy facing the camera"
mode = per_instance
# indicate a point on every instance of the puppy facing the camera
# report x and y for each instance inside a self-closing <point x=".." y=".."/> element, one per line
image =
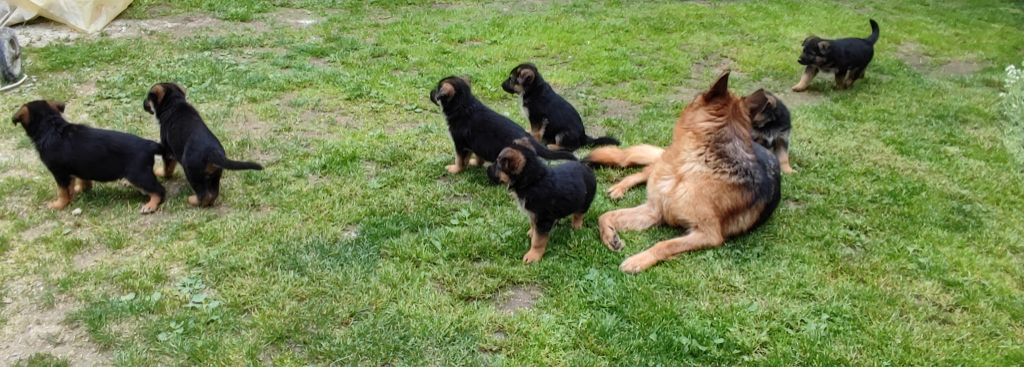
<point x="847" y="58"/>
<point x="186" y="139"/>
<point x="477" y="130"/>
<point x="771" y="129"/>
<point x="74" y="152"/>
<point x="546" y="194"/>
<point x="552" y="119"/>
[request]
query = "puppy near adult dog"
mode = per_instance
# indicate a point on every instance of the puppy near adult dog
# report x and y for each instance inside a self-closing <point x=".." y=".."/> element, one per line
<point x="713" y="179"/>
<point x="74" y="152"/>
<point x="186" y="139"/>
<point x="771" y="129"/>
<point x="847" y="58"/>
<point x="478" y="132"/>
<point x="546" y="194"/>
<point x="552" y="119"/>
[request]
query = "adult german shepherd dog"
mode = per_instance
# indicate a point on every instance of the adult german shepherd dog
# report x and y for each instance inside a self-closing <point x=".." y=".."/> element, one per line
<point x="713" y="179"/>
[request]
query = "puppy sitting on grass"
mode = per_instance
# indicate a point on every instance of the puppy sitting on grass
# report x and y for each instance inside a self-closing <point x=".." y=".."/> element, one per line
<point x="552" y="119"/>
<point x="546" y="194"/>
<point x="771" y="129"/>
<point x="847" y="58"/>
<point x="72" y="151"/>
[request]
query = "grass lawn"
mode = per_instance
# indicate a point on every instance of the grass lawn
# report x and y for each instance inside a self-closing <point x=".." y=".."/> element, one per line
<point x="899" y="241"/>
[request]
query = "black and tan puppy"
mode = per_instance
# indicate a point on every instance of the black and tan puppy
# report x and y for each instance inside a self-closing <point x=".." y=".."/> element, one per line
<point x="74" y="152"/>
<point x="478" y="130"/>
<point x="771" y="129"/>
<point x="847" y="58"/>
<point x="552" y="119"/>
<point x="186" y="139"/>
<point x="546" y="194"/>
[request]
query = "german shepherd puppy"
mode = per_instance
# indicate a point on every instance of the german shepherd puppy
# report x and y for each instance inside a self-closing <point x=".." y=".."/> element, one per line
<point x="546" y="194"/>
<point x="712" y="179"/>
<point x="847" y="58"/>
<point x="72" y="151"/>
<point x="552" y="119"/>
<point x="771" y="130"/>
<point x="478" y="130"/>
<point x="186" y="139"/>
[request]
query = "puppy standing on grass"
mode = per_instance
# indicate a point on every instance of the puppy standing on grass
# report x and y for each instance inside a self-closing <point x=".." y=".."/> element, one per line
<point x="478" y="130"/>
<point x="186" y="139"/>
<point x="847" y="58"/>
<point x="552" y="119"/>
<point x="771" y="130"/>
<point x="88" y="154"/>
<point x="546" y="194"/>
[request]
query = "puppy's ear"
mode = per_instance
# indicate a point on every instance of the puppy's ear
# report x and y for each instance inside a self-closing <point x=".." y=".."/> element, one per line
<point x="719" y="89"/>
<point x="773" y="101"/>
<point x="511" y="161"/>
<point x="21" y="116"/>
<point x="526" y="76"/>
<point x="153" y="99"/>
<point x="59" y="106"/>
<point x="443" y="93"/>
<point x="808" y="40"/>
<point x="824" y="47"/>
<point x="525" y="143"/>
<point x="756" y="102"/>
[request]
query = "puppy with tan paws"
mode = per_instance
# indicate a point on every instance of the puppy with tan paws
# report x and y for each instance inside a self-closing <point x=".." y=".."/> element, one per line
<point x="546" y="194"/>
<point x="74" y="152"/>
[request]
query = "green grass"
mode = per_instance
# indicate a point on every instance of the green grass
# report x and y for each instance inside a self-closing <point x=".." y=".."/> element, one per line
<point x="899" y="241"/>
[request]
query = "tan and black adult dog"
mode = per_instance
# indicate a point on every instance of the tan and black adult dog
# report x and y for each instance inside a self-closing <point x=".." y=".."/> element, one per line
<point x="713" y="179"/>
<point x="185" y="138"/>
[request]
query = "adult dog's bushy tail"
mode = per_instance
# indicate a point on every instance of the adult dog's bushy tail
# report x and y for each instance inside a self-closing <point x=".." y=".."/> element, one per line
<point x="604" y="140"/>
<point x="874" y="32"/>
<point x="638" y="155"/>
<point x="225" y="163"/>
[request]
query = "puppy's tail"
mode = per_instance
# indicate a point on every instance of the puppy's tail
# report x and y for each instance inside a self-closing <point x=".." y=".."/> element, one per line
<point x="638" y="155"/>
<point x="604" y="140"/>
<point x="874" y="32"/>
<point x="549" y="154"/>
<point x="225" y="163"/>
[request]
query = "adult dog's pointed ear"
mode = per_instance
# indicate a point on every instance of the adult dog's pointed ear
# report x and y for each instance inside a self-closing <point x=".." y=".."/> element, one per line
<point x="756" y="102"/>
<point x="154" y="98"/>
<point x="719" y="89"/>
<point x="824" y="47"/>
<point x="21" y="116"/>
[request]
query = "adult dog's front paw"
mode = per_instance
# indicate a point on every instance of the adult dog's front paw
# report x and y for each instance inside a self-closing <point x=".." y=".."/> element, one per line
<point x="637" y="263"/>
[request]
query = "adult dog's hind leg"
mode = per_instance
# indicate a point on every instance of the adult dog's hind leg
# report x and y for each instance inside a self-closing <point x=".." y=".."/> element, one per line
<point x="641" y="217"/>
<point x="698" y="238"/>
<point x="619" y="189"/>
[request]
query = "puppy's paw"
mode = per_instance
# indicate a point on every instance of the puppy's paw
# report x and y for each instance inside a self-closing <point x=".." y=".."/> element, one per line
<point x="148" y="209"/>
<point x="474" y="161"/>
<point x="637" y="263"/>
<point x="617" y="192"/>
<point x="193" y="200"/>
<point x="58" y="204"/>
<point x="162" y="172"/>
<point x="453" y="169"/>
<point x="787" y="169"/>
<point x="532" y="256"/>
<point x="799" y="88"/>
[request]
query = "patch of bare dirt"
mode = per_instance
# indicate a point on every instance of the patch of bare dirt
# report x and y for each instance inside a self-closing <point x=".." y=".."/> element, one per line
<point x="619" y="109"/>
<point x="39" y="230"/>
<point x="32" y="328"/>
<point x="713" y="65"/>
<point x="961" y="67"/>
<point x="90" y="257"/>
<point x="295" y="17"/>
<point x="793" y="99"/>
<point x="42" y="33"/>
<point x="913" y="55"/>
<point x="519" y="297"/>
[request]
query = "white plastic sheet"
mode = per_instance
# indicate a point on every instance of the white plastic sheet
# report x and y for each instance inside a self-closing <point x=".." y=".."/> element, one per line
<point x="89" y="16"/>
